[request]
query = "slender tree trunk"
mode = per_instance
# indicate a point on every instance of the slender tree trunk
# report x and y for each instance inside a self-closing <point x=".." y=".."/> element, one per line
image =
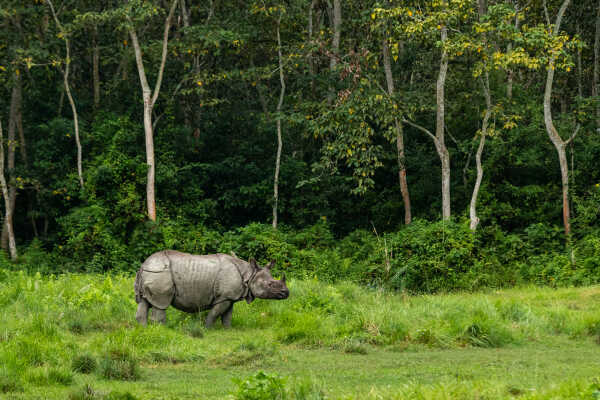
<point x="484" y="127"/>
<point x="596" y="80"/>
<point x="439" y="128"/>
<point x="335" y="43"/>
<point x="311" y="65"/>
<point x="485" y="84"/>
<point x="387" y="66"/>
<point x="8" y="210"/>
<point x="96" y="67"/>
<point x="184" y="13"/>
<point x="558" y="142"/>
<point x="579" y="67"/>
<point x="438" y="138"/>
<point x="65" y="73"/>
<point x="279" y="139"/>
<point x="149" y="101"/>
<point x="15" y="112"/>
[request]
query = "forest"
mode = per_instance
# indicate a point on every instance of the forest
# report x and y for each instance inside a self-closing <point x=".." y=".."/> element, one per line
<point x="134" y="126"/>
<point x="424" y="172"/>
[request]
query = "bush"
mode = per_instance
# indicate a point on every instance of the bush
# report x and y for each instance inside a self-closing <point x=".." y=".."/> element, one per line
<point x="119" y="365"/>
<point x="261" y="386"/>
<point x="84" y="364"/>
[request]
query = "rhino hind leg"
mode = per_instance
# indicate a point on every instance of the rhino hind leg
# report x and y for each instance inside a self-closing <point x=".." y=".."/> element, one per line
<point x="216" y="311"/>
<point x="158" y="316"/>
<point x="141" y="314"/>
<point x="226" y="317"/>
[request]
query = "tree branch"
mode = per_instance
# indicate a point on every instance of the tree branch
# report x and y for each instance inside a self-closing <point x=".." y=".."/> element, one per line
<point x="164" y="51"/>
<point x="422" y="129"/>
<point x="569" y="140"/>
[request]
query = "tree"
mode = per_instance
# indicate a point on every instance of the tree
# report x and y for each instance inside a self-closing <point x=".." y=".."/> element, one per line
<point x="553" y="134"/>
<point x="389" y="78"/>
<point x="149" y="97"/>
<point x="65" y="72"/>
<point x="7" y="206"/>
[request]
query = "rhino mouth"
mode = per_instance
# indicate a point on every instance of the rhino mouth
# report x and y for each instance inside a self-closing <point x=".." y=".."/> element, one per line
<point x="284" y="294"/>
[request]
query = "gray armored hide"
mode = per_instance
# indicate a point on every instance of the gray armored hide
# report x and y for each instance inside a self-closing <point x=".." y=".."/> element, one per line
<point x="193" y="283"/>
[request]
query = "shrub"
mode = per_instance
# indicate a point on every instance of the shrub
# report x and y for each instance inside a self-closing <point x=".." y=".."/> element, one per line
<point x="119" y="365"/>
<point x="84" y="364"/>
<point x="261" y="386"/>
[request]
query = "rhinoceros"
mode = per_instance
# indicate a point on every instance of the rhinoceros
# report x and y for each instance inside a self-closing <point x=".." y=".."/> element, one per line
<point x="193" y="283"/>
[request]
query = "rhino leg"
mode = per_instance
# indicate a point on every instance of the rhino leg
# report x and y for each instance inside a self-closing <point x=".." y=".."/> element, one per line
<point x="157" y="315"/>
<point x="226" y="317"/>
<point x="216" y="311"/>
<point x="141" y="314"/>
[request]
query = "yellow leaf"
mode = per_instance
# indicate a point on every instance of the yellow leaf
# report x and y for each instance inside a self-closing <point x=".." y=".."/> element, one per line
<point x="409" y="13"/>
<point x="124" y="42"/>
<point x="373" y="16"/>
<point x="199" y="83"/>
<point x="395" y="58"/>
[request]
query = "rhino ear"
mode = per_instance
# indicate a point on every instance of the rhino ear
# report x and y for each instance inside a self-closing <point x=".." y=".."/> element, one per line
<point x="283" y="277"/>
<point x="253" y="263"/>
<point x="270" y="265"/>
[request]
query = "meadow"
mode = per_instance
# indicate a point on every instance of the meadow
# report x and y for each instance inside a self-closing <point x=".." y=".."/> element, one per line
<point x="74" y="336"/>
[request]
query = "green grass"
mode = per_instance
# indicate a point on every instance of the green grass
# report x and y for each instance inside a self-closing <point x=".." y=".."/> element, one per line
<point x="75" y="336"/>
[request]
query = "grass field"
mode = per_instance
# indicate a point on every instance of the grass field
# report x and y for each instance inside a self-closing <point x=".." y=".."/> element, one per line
<point x="74" y="336"/>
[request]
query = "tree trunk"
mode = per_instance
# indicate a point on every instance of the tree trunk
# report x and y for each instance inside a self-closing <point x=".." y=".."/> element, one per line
<point x="484" y="127"/>
<point x="185" y="14"/>
<point x="96" y="67"/>
<point x="558" y="142"/>
<point x="387" y="66"/>
<point x="279" y="139"/>
<point x="438" y="138"/>
<point x="596" y="79"/>
<point x="65" y="73"/>
<point x="485" y="84"/>
<point x="8" y="209"/>
<point x="149" y="101"/>
<point x="335" y="43"/>
<point x="15" y="112"/>
<point x="439" y="129"/>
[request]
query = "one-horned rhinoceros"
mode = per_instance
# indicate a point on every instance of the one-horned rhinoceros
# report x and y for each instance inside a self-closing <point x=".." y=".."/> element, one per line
<point x="193" y="283"/>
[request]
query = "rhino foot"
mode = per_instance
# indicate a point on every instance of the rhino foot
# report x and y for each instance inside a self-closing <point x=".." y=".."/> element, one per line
<point x="142" y="312"/>
<point x="218" y="310"/>
<point x="158" y="316"/>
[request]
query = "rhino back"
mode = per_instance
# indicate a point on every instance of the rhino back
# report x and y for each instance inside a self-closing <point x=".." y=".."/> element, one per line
<point x="201" y="280"/>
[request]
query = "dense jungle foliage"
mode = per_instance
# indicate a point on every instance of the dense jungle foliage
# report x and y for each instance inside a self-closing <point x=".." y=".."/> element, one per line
<point x="300" y="130"/>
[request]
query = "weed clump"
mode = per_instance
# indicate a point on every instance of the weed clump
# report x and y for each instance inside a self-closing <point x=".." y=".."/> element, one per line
<point x="119" y="365"/>
<point x="88" y="393"/>
<point x="261" y="386"/>
<point x="9" y="382"/>
<point x="355" y="347"/>
<point x="49" y="376"/>
<point x="196" y="331"/>
<point x="85" y="393"/>
<point x="247" y="353"/>
<point x="84" y="364"/>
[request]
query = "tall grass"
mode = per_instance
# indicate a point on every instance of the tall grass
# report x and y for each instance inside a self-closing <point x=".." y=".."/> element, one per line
<point x="47" y="323"/>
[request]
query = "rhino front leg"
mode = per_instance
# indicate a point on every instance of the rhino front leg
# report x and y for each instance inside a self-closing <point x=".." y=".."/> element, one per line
<point x="226" y="316"/>
<point x="141" y="314"/>
<point x="216" y="311"/>
<point x="159" y="316"/>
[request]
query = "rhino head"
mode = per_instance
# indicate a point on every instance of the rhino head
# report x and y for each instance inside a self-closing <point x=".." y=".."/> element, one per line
<point x="263" y="286"/>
